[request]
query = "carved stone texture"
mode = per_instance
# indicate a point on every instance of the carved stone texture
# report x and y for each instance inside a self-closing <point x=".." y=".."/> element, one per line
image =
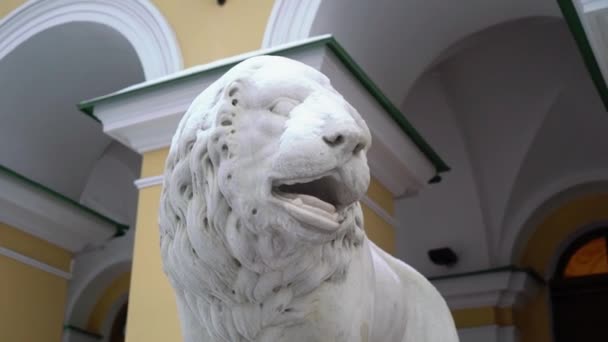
<point x="261" y="229"/>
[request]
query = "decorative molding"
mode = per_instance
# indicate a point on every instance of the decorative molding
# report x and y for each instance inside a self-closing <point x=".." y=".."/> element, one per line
<point x="83" y="335"/>
<point x="290" y="20"/>
<point x="500" y="288"/>
<point x="41" y="212"/>
<point x="137" y="20"/>
<point x="148" y="182"/>
<point x="489" y="333"/>
<point x="375" y="207"/>
<point x="144" y="117"/>
<point x="587" y="22"/>
<point x="35" y="263"/>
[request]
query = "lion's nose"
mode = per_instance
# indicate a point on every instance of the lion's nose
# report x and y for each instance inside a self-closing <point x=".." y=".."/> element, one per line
<point x="347" y="140"/>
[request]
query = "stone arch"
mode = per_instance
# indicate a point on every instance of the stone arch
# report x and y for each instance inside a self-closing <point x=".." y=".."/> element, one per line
<point x="560" y="220"/>
<point x="87" y="296"/>
<point x="555" y="223"/>
<point x="138" y="21"/>
<point x="522" y="226"/>
<point x="108" y="304"/>
<point x="290" y="20"/>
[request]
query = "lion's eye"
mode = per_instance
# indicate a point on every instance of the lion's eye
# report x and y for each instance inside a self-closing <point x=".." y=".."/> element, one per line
<point x="283" y="106"/>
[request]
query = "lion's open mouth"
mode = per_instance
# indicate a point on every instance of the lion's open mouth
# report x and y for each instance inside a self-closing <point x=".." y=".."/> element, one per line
<point x="315" y="202"/>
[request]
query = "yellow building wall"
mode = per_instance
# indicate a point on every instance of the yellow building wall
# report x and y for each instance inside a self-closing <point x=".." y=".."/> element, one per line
<point x="477" y="317"/>
<point x="32" y="301"/>
<point x="152" y="315"/>
<point x="207" y="31"/>
<point x="7" y="6"/>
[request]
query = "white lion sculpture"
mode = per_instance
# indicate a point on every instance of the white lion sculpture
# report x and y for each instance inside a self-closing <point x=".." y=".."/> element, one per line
<point x="261" y="229"/>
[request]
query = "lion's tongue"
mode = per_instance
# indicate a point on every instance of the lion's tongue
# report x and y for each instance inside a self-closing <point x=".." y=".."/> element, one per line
<point x="312" y="215"/>
<point x="317" y="203"/>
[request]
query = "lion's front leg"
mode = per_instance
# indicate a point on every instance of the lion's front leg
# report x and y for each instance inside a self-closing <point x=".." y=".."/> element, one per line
<point x="407" y="306"/>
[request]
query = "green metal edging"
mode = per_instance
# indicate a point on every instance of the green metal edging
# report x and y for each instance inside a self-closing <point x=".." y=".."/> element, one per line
<point x="87" y="107"/>
<point x="510" y="268"/>
<point x="82" y="331"/>
<point x="121" y="229"/>
<point x="395" y="113"/>
<point x="580" y="36"/>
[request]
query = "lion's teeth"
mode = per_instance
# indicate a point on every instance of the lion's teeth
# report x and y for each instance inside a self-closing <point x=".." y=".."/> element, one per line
<point x="297" y="201"/>
<point x="317" y="203"/>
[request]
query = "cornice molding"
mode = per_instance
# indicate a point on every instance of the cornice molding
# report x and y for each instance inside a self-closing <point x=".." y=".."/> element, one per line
<point x="489" y="333"/>
<point x="496" y="288"/>
<point x="41" y="212"/>
<point x="35" y="263"/>
<point x="376" y="208"/>
<point x="587" y="20"/>
<point x="144" y="117"/>
<point x="147" y="182"/>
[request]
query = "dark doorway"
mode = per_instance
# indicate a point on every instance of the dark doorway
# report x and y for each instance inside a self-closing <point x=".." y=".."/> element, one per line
<point x="579" y="290"/>
<point x="118" y="327"/>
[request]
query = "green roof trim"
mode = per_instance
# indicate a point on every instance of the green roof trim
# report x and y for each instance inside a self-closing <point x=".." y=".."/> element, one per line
<point x="394" y="112"/>
<point x="580" y="36"/>
<point x="82" y="331"/>
<point x="510" y="268"/>
<point x="88" y="106"/>
<point x="120" y="228"/>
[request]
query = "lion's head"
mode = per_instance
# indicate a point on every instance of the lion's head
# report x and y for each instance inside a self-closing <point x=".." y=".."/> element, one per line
<point x="261" y="187"/>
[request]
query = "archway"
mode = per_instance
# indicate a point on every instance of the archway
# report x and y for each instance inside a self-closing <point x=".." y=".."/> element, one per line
<point x="562" y="219"/>
<point x="54" y="54"/>
<point x="139" y="22"/>
<point x="579" y="288"/>
<point x="117" y="334"/>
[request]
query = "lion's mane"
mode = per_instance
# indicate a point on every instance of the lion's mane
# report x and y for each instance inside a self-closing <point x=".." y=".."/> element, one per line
<point x="226" y="270"/>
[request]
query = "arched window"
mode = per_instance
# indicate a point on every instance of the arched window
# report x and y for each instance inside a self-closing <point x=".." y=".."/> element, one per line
<point x="587" y="256"/>
<point x="579" y="289"/>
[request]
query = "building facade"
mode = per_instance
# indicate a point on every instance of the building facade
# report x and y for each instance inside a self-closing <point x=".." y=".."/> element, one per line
<point x="508" y="95"/>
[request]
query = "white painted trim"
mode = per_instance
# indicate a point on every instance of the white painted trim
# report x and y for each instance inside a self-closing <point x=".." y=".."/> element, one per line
<point x="35" y="263"/>
<point x="375" y="207"/>
<point x="137" y="20"/>
<point x="148" y="182"/>
<point x="489" y="333"/>
<point x="497" y="289"/>
<point x="290" y="20"/>
<point x="39" y="213"/>
<point x="593" y="15"/>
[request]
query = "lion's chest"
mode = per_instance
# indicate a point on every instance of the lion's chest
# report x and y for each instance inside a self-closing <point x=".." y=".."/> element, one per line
<point x="339" y="311"/>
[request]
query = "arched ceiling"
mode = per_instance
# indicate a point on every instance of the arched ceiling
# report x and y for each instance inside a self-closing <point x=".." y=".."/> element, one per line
<point x="512" y="109"/>
<point x="396" y="41"/>
<point x="43" y="136"/>
<point x="499" y="89"/>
